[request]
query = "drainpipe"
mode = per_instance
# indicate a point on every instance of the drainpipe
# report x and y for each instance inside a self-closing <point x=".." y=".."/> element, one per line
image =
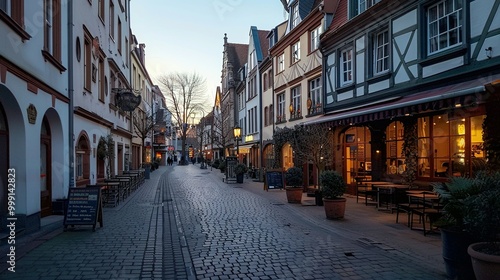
<point x="70" y="95"/>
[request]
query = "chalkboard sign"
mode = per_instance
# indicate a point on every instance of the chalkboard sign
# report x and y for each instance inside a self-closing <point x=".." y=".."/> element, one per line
<point x="274" y="179"/>
<point x="84" y="207"/>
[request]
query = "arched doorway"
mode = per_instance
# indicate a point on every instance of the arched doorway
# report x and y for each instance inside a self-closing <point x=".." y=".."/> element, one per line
<point x="357" y="153"/>
<point x="4" y="165"/>
<point x="45" y="170"/>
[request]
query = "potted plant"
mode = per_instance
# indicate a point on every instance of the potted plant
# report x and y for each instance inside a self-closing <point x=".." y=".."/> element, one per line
<point x="455" y="238"/>
<point x="240" y="170"/>
<point x="333" y="187"/>
<point x="482" y="219"/>
<point x="222" y="166"/>
<point x="294" y="181"/>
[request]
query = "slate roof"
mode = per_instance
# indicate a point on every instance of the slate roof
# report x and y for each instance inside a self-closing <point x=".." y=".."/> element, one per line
<point x="237" y="56"/>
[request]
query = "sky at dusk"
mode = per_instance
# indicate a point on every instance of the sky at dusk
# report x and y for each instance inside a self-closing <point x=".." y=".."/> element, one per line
<point x="188" y="36"/>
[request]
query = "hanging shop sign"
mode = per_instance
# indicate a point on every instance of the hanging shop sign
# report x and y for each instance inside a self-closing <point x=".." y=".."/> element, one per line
<point x="127" y="101"/>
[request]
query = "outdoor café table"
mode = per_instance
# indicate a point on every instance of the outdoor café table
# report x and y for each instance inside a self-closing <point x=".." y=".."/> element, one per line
<point x="367" y="188"/>
<point x="123" y="187"/>
<point x="428" y="207"/>
<point x="110" y="192"/>
<point x="389" y="190"/>
<point x="134" y="180"/>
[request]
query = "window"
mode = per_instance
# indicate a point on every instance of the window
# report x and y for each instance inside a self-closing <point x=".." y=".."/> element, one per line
<point x="450" y="146"/>
<point x="296" y="52"/>
<point x="52" y="30"/>
<point x="281" y="117"/>
<point x="359" y="6"/>
<point x="271" y="115"/>
<point x="100" y="12"/>
<point x="270" y="75"/>
<point x="101" y="79"/>
<point x="127" y="52"/>
<point x="252" y="62"/>
<point x="296" y="103"/>
<point x="264" y="81"/>
<point x="119" y="36"/>
<point x="394" y="147"/>
<point x="87" y="59"/>
<point x="295" y="16"/>
<point x="314" y="102"/>
<point x="315" y="38"/>
<point x="266" y="116"/>
<point x="444" y="25"/>
<point x="48" y="10"/>
<point x="381" y="52"/>
<point x="111" y="20"/>
<point x="346" y="67"/>
<point x="281" y="63"/>
<point x="15" y="10"/>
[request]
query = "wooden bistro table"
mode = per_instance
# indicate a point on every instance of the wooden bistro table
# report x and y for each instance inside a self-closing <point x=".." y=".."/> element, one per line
<point x="428" y="208"/>
<point x="390" y="191"/>
<point x="368" y="188"/>
<point x="110" y="193"/>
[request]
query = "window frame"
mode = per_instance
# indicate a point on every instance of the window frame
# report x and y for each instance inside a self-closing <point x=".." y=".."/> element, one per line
<point x="280" y="61"/>
<point x="314" y="94"/>
<point x="294" y="18"/>
<point x="111" y="20"/>
<point x="296" y="102"/>
<point x="295" y="54"/>
<point x="281" y="101"/>
<point x="459" y="27"/>
<point x="314" y="35"/>
<point x="342" y="67"/>
<point x="375" y="52"/>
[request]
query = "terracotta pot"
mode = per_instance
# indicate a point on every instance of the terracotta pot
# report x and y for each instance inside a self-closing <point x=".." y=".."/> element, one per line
<point x="485" y="266"/>
<point x="294" y="195"/>
<point x="334" y="208"/>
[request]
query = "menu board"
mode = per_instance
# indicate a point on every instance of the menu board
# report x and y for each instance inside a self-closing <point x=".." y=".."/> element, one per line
<point x="274" y="180"/>
<point x="84" y="207"/>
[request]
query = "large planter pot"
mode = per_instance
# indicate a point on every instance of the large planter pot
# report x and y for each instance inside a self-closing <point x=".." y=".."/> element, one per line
<point x="239" y="178"/>
<point x="334" y="208"/>
<point x="456" y="259"/>
<point x="485" y="266"/>
<point x="294" y="195"/>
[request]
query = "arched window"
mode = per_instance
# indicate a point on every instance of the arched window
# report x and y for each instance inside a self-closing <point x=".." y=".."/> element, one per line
<point x="82" y="160"/>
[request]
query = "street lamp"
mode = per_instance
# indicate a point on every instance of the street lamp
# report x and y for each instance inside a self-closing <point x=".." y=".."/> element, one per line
<point x="237" y="136"/>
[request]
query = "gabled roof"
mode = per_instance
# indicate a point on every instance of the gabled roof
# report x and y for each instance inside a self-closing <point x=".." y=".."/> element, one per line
<point x="264" y="43"/>
<point x="237" y="55"/>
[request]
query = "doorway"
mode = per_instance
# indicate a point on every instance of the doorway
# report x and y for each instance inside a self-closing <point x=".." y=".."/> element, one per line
<point x="4" y="165"/>
<point x="45" y="170"/>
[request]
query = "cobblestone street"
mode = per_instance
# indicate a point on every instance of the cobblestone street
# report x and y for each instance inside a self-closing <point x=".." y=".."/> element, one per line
<point x="185" y="223"/>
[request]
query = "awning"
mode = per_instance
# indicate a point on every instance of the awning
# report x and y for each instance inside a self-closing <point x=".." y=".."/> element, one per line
<point x="456" y="95"/>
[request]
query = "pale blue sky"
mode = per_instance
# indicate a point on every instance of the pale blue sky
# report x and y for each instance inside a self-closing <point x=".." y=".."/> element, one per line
<point x="187" y="36"/>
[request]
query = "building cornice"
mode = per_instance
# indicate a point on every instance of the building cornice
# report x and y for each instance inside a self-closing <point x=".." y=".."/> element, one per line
<point x="32" y="81"/>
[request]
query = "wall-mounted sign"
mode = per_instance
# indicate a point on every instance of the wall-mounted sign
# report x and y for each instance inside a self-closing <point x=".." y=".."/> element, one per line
<point x="31" y="110"/>
<point x="127" y="101"/>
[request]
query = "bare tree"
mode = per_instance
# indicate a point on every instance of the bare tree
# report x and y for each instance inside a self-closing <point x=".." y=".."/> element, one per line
<point x="221" y="131"/>
<point x="184" y="94"/>
<point x="143" y="126"/>
<point x="315" y="144"/>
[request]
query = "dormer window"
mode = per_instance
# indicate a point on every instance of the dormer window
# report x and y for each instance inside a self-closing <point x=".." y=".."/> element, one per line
<point x="295" y="16"/>
<point x="359" y="6"/>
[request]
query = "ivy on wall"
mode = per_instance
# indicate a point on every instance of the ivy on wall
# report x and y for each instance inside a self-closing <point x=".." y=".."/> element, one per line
<point x="410" y="150"/>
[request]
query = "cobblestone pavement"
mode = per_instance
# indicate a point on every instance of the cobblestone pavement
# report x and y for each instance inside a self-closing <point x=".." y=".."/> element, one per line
<point x="237" y="232"/>
<point x="185" y="223"/>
